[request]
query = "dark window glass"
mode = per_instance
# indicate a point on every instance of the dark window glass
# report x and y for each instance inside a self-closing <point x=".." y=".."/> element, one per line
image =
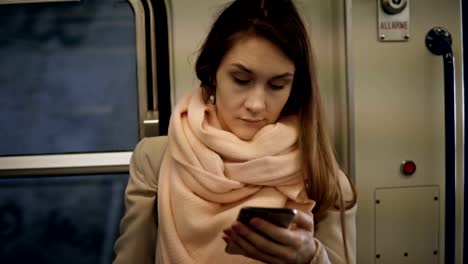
<point x="68" y="77"/>
<point x="60" y="219"/>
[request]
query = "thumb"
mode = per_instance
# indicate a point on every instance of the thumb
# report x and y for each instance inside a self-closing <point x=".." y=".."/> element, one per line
<point x="303" y="220"/>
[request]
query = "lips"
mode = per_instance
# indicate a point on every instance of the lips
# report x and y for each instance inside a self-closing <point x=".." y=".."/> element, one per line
<point x="252" y="121"/>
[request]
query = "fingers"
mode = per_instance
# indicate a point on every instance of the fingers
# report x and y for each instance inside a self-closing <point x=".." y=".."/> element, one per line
<point x="244" y="241"/>
<point x="281" y="235"/>
<point x="258" y="246"/>
<point x="232" y="247"/>
<point x="295" y="238"/>
<point x="304" y="221"/>
<point x="269" y="243"/>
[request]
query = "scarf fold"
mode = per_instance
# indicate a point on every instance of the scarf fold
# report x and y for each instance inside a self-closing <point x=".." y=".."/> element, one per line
<point x="208" y="174"/>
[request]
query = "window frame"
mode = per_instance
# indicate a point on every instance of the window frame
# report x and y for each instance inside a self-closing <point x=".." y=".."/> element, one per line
<point x="148" y="115"/>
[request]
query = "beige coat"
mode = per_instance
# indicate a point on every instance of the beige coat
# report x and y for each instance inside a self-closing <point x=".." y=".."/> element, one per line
<point x="138" y="229"/>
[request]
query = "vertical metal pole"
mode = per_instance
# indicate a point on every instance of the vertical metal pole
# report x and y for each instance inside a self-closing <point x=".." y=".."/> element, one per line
<point x="450" y="157"/>
<point x="439" y="42"/>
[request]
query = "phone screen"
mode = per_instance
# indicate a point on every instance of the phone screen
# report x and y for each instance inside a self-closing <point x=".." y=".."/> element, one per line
<point x="279" y="216"/>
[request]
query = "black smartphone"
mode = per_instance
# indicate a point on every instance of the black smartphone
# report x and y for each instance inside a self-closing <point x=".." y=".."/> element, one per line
<point x="281" y="217"/>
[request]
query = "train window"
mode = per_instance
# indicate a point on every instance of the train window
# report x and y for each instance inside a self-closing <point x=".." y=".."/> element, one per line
<point x="72" y="219"/>
<point x="78" y="90"/>
<point x="68" y="74"/>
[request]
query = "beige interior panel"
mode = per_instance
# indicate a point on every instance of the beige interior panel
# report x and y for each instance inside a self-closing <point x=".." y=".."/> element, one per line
<point x="399" y="111"/>
<point x="407" y="225"/>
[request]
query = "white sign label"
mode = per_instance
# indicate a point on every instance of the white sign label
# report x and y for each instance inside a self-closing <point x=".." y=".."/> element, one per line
<point x="393" y="27"/>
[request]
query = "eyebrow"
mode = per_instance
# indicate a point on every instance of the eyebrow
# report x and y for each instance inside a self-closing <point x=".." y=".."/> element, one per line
<point x="243" y="68"/>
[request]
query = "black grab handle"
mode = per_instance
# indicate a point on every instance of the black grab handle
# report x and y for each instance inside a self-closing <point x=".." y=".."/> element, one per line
<point x="439" y="42"/>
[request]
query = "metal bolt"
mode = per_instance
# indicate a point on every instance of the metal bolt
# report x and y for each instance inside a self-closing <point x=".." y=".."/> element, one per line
<point x="382" y="36"/>
<point x="406" y="36"/>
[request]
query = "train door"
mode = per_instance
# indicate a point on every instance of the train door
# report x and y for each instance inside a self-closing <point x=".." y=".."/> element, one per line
<point x="78" y="91"/>
<point x="408" y="126"/>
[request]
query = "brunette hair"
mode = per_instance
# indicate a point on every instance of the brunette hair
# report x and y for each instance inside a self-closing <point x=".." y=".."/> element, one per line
<point x="279" y="22"/>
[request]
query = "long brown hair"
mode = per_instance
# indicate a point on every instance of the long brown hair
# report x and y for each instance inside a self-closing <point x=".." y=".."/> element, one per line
<point x="279" y="22"/>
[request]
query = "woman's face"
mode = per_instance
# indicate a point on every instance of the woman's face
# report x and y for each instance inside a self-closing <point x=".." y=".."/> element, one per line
<point x="253" y="83"/>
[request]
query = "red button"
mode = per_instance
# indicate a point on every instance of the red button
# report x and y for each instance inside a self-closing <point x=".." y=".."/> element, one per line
<point x="408" y="167"/>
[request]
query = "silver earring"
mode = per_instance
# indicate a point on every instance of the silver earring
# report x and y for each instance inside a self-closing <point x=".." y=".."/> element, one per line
<point x="212" y="99"/>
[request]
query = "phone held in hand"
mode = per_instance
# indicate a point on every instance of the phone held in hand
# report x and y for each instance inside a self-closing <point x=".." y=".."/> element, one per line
<point x="281" y="217"/>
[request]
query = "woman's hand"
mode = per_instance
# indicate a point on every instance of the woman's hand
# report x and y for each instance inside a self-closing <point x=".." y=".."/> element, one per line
<point x="274" y="244"/>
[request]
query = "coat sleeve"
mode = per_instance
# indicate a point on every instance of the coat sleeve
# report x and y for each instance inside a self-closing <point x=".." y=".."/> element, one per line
<point x="138" y="229"/>
<point x="329" y="234"/>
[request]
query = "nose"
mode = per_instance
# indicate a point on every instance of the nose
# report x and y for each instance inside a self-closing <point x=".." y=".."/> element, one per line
<point x="256" y="100"/>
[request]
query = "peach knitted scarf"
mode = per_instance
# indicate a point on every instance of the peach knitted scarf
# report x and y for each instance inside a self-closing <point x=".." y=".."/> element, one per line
<point x="208" y="174"/>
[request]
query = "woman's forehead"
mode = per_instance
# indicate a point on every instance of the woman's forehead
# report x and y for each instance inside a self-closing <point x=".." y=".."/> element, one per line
<point x="255" y="54"/>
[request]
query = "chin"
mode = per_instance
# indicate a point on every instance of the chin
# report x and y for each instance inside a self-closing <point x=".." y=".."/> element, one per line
<point x="245" y="135"/>
<point x="245" y="138"/>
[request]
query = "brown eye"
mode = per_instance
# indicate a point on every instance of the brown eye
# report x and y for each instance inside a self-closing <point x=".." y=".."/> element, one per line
<point x="279" y="84"/>
<point x="276" y="87"/>
<point x="241" y="81"/>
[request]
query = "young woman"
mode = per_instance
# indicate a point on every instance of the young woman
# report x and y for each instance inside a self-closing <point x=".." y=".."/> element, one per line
<point x="253" y="135"/>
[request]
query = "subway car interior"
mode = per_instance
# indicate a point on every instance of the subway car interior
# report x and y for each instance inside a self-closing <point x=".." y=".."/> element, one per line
<point x="83" y="81"/>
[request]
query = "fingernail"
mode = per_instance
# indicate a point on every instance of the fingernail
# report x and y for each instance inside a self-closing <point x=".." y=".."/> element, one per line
<point x="226" y="239"/>
<point x="255" y="222"/>
<point x="227" y="232"/>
